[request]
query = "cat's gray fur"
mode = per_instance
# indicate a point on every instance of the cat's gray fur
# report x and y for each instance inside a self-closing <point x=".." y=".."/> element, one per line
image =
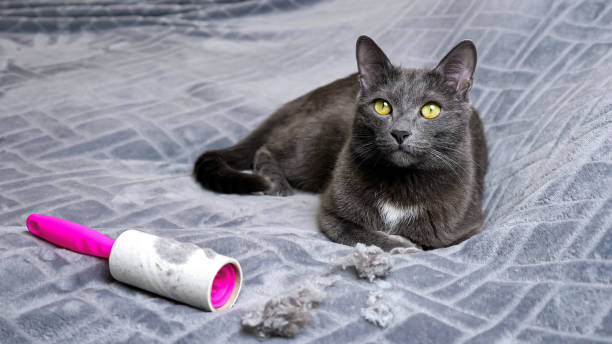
<point x="388" y="181"/>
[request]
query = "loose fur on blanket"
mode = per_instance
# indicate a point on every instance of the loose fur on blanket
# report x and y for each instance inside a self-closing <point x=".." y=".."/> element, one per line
<point x="286" y="315"/>
<point x="377" y="310"/>
<point x="371" y="261"/>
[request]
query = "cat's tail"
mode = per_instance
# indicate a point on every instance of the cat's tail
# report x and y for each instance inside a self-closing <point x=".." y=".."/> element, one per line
<point x="220" y="170"/>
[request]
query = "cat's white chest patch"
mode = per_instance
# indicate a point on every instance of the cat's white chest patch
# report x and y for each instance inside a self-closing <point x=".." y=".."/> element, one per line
<point x="392" y="215"/>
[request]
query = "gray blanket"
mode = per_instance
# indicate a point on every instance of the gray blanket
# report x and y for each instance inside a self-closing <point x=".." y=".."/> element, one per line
<point x="105" y="104"/>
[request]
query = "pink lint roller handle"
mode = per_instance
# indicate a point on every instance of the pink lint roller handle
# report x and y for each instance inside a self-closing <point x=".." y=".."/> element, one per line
<point x="70" y="235"/>
<point x="180" y="271"/>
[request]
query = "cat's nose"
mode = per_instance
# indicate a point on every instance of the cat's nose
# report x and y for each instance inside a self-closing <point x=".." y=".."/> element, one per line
<point x="400" y="135"/>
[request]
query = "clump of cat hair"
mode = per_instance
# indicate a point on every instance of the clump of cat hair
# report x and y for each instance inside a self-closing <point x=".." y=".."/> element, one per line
<point x="377" y="311"/>
<point x="371" y="261"/>
<point x="286" y="315"/>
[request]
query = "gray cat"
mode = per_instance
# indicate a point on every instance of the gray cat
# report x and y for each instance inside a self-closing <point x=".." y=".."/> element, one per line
<point x="398" y="154"/>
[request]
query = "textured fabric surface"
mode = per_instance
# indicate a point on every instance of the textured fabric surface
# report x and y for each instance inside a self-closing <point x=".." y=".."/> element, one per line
<point x="104" y="105"/>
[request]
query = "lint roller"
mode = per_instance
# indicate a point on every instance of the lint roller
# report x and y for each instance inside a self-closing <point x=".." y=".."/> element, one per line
<point x="184" y="272"/>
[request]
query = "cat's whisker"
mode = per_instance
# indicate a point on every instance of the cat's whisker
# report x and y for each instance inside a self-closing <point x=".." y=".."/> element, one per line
<point x="462" y="153"/>
<point x="453" y="149"/>
<point x="450" y="163"/>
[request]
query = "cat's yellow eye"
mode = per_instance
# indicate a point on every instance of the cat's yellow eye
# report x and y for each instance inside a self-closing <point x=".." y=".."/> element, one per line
<point x="430" y="110"/>
<point x="382" y="107"/>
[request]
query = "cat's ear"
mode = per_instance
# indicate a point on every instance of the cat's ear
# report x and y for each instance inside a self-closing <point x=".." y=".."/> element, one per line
<point x="371" y="61"/>
<point x="458" y="66"/>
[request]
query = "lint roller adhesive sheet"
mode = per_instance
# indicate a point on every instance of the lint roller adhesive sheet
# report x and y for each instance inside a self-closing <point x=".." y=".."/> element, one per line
<point x="184" y="272"/>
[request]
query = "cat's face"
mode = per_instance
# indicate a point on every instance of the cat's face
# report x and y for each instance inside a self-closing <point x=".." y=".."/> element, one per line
<point x="413" y="118"/>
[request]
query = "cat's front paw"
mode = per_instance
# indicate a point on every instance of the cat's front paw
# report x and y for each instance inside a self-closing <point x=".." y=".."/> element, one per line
<point x="405" y="250"/>
<point x="401" y="244"/>
<point x="280" y="189"/>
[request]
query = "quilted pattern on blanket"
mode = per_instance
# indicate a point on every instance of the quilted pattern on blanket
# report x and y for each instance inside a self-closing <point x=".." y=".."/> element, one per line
<point x="104" y="106"/>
